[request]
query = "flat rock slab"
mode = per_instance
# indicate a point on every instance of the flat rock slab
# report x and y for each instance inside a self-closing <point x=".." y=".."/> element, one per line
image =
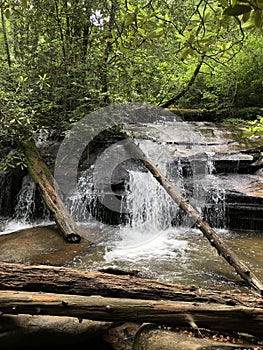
<point x="168" y="340"/>
<point x="42" y="245"/>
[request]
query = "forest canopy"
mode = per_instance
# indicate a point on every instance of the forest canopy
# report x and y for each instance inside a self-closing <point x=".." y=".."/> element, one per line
<point x="62" y="59"/>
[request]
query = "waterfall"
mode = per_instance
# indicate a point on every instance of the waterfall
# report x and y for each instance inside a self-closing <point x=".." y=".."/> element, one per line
<point x="214" y="210"/>
<point x="152" y="209"/>
<point x="25" y="207"/>
<point x="149" y="205"/>
<point x="83" y="198"/>
<point x="30" y="209"/>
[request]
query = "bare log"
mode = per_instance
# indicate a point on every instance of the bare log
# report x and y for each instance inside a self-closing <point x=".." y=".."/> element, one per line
<point x="45" y="182"/>
<point x="204" y="315"/>
<point x="65" y="280"/>
<point x="222" y="249"/>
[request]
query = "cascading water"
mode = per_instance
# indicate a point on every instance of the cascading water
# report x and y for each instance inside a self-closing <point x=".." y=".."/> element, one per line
<point x="157" y="234"/>
<point x="214" y="210"/>
<point x="150" y="207"/>
<point x="30" y="210"/>
<point x="81" y="199"/>
<point x="25" y="207"/>
<point x="155" y="238"/>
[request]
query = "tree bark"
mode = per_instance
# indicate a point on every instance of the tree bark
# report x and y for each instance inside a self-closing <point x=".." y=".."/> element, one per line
<point x="53" y="279"/>
<point x="45" y="182"/>
<point x="7" y="50"/>
<point x="198" y="221"/>
<point x="212" y="316"/>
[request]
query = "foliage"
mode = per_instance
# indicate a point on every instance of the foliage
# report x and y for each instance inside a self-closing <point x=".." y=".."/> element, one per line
<point x="248" y="12"/>
<point x="15" y="158"/>
<point x="254" y="128"/>
<point x="62" y="59"/>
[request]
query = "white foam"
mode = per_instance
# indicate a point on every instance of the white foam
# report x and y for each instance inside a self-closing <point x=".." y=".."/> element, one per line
<point x="17" y="225"/>
<point x="136" y="245"/>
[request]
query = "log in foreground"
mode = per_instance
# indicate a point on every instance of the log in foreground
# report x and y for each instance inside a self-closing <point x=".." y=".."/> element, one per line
<point x="65" y="280"/>
<point x="212" y="316"/>
<point x="45" y="182"/>
<point x="196" y="219"/>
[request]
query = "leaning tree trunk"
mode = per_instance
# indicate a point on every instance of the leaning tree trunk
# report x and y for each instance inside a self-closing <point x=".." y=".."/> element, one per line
<point x="197" y="220"/>
<point x="181" y="93"/>
<point x="45" y="183"/>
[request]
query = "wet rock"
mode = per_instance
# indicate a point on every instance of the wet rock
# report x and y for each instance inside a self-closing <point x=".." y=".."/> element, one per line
<point x="42" y="245"/>
<point x="187" y="153"/>
<point x="157" y="339"/>
<point x="49" y="331"/>
<point x="122" y="337"/>
<point x="243" y="211"/>
<point x="10" y="185"/>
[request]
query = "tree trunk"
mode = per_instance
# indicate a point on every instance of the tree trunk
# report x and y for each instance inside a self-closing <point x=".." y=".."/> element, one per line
<point x="44" y="180"/>
<point x="64" y="280"/>
<point x="181" y="93"/>
<point x="208" y="315"/>
<point x="5" y="38"/>
<point x="198" y="221"/>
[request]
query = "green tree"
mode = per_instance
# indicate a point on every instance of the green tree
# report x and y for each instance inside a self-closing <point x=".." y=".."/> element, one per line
<point x="65" y="58"/>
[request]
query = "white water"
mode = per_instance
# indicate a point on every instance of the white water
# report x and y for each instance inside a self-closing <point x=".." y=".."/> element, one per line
<point x="149" y="242"/>
<point x="151" y="208"/>
<point x="26" y="201"/>
<point x="77" y="202"/>
<point x="25" y="209"/>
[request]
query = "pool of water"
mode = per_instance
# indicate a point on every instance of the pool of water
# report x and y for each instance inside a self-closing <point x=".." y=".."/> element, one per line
<point x="177" y="255"/>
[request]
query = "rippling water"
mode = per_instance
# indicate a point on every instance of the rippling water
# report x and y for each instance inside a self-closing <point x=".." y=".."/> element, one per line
<point x="151" y="242"/>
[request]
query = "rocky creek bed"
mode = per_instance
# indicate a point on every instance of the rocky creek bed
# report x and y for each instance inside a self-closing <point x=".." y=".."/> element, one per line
<point x="235" y="167"/>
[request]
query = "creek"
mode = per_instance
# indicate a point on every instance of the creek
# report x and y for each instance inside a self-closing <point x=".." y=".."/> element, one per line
<point x="219" y="174"/>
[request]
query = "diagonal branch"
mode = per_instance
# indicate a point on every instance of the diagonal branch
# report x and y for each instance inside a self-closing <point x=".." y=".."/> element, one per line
<point x="189" y="84"/>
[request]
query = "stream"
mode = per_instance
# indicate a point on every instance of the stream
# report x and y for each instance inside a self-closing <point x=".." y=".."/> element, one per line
<point x="156" y="239"/>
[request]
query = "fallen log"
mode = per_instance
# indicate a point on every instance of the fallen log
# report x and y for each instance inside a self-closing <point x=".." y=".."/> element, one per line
<point x="197" y="220"/>
<point x="45" y="182"/>
<point x="98" y="308"/>
<point x="65" y="280"/>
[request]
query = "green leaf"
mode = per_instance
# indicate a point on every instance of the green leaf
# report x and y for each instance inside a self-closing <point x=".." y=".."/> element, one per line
<point x="7" y="13"/>
<point x="130" y="7"/>
<point x="233" y="3"/>
<point x="24" y="3"/>
<point x="157" y="33"/>
<point x="188" y="51"/>
<point x="237" y="10"/>
<point x="166" y="17"/>
<point x="223" y="3"/>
